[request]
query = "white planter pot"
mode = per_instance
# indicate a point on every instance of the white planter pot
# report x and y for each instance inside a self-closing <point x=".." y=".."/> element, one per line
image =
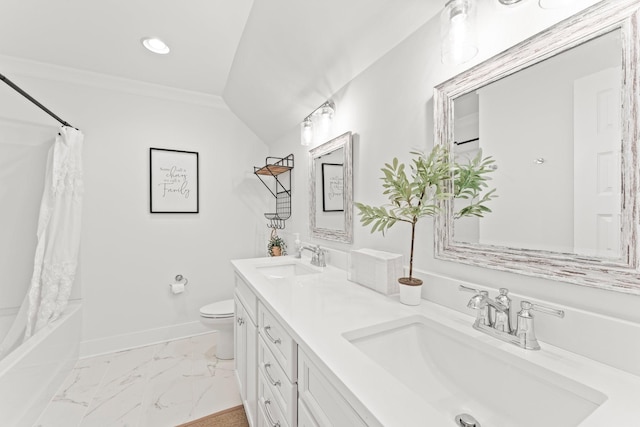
<point x="410" y="295"/>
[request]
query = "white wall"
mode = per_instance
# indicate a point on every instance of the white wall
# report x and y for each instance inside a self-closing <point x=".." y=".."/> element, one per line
<point x="534" y="206"/>
<point x="390" y="109"/>
<point x="129" y="256"/>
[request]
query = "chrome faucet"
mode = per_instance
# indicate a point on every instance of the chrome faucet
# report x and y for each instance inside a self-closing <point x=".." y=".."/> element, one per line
<point x="502" y="320"/>
<point x="493" y="317"/>
<point x="488" y="309"/>
<point x="318" y="257"/>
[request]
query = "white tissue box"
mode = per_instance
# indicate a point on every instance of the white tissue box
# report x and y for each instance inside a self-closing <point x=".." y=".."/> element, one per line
<point x="377" y="270"/>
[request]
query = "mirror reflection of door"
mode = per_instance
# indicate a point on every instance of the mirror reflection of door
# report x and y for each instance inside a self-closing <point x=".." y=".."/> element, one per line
<point x="597" y="164"/>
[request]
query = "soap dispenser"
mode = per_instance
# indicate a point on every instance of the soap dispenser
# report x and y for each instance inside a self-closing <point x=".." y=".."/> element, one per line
<point x="297" y="242"/>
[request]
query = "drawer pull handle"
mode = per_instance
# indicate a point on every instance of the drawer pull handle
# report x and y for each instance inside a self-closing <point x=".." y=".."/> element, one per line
<point x="267" y="403"/>
<point x="240" y="321"/>
<point x="269" y="377"/>
<point x="272" y="339"/>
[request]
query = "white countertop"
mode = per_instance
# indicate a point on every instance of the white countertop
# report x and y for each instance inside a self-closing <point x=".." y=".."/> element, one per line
<point x="317" y="309"/>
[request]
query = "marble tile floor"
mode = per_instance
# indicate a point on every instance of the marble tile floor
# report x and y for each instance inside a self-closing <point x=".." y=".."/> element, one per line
<point x="165" y="384"/>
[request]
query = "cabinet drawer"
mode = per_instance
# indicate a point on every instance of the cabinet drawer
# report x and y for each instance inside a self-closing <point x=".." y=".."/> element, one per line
<point x="271" y="412"/>
<point x="284" y="392"/>
<point x="282" y="346"/>
<point x="324" y="403"/>
<point x="247" y="297"/>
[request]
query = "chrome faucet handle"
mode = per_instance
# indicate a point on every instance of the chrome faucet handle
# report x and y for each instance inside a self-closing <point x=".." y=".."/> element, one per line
<point x="526" y="305"/>
<point x="322" y="257"/>
<point x="479" y="302"/>
<point x="318" y="257"/>
<point x="468" y="289"/>
<point x="502" y="320"/>
<point x="504" y="297"/>
<point x="525" y="330"/>
<point x="313" y="249"/>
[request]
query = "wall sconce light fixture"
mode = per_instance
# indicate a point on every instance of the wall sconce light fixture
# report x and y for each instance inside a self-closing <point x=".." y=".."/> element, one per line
<point x="317" y="124"/>
<point x="458" y="31"/>
<point x="326" y="115"/>
<point x="306" y="131"/>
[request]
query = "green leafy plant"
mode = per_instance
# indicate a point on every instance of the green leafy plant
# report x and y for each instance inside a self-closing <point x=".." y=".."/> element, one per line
<point x="434" y="177"/>
<point x="276" y="242"/>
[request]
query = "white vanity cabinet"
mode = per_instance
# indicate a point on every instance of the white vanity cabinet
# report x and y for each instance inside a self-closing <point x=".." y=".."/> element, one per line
<point x="319" y="403"/>
<point x="246" y="347"/>
<point x="277" y="362"/>
<point x="283" y="390"/>
<point x="279" y="384"/>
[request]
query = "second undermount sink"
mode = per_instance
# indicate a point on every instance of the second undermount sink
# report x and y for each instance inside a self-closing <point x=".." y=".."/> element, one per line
<point x="456" y="373"/>
<point x="291" y="269"/>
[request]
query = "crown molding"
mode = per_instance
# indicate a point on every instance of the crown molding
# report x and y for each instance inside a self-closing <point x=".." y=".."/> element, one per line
<point x="13" y="66"/>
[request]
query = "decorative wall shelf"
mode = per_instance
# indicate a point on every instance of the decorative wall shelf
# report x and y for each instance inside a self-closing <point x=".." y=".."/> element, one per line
<point x="276" y="176"/>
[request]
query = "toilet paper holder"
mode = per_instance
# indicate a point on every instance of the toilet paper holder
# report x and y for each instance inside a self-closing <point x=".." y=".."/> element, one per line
<point x="180" y="278"/>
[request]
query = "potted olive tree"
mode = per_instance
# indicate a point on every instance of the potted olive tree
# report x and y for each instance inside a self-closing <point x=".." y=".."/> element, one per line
<point x="419" y="195"/>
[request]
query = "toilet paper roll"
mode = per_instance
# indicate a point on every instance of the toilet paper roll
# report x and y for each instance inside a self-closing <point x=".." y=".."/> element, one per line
<point x="177" y="288"/>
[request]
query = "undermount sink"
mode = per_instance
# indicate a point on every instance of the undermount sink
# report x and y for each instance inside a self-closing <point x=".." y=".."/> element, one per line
<point x="281" y="271"/>
<point x="456" y="373"/>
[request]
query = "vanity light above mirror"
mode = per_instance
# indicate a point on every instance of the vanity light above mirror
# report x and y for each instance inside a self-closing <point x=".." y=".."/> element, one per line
<point x="553" y="183"/>
<point x="317" y="125"/>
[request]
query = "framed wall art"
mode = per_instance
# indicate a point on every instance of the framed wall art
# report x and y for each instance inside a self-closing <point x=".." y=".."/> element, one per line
<point x="332" y="187"/>
<point x="173" y="181"/>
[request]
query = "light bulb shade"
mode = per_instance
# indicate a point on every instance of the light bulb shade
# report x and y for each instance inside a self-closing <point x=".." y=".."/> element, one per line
<point x="458" y="39"/>
<point x="306" y="132"/>
<point x="325" y="119"/>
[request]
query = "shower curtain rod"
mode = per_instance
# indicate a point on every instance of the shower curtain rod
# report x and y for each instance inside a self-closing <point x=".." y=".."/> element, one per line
<point x="32" y="99"/>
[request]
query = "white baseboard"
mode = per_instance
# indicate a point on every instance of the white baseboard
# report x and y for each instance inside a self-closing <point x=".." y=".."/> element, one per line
<point x="95" y="347"/>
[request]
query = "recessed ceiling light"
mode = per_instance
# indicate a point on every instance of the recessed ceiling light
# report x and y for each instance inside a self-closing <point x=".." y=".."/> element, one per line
<point x="155" y="45"/>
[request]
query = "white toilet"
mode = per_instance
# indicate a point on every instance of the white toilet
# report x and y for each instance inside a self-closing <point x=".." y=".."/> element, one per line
<point x="219" y="316"/>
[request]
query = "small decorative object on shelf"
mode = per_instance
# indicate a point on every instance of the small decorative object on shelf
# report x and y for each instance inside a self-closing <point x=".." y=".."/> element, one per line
<point x="276" y="246"/>
<point x="434" y="177"/>
<point x="280" y="170"/>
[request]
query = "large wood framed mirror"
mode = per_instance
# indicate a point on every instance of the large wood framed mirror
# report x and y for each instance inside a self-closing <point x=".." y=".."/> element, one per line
<point x="559" y="114"/>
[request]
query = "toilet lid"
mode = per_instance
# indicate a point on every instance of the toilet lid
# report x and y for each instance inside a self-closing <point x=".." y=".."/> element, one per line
<point x="218" y="309"/>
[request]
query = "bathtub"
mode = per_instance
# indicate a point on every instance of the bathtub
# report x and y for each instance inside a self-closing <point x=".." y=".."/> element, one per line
<point x="32" y="373"/>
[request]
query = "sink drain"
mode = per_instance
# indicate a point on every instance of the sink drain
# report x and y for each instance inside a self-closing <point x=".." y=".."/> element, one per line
<point x="466" y="420"/>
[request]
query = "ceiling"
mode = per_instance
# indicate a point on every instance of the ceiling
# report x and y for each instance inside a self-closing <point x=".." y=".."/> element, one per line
<point x="271" y="61"/>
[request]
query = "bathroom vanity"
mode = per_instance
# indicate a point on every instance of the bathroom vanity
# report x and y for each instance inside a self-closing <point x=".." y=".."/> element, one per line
<point x="313" y="349"/>
<point x="278" y="380"/>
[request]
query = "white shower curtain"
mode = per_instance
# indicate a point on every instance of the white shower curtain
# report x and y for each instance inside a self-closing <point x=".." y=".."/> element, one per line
<point x="58" y="234"/>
